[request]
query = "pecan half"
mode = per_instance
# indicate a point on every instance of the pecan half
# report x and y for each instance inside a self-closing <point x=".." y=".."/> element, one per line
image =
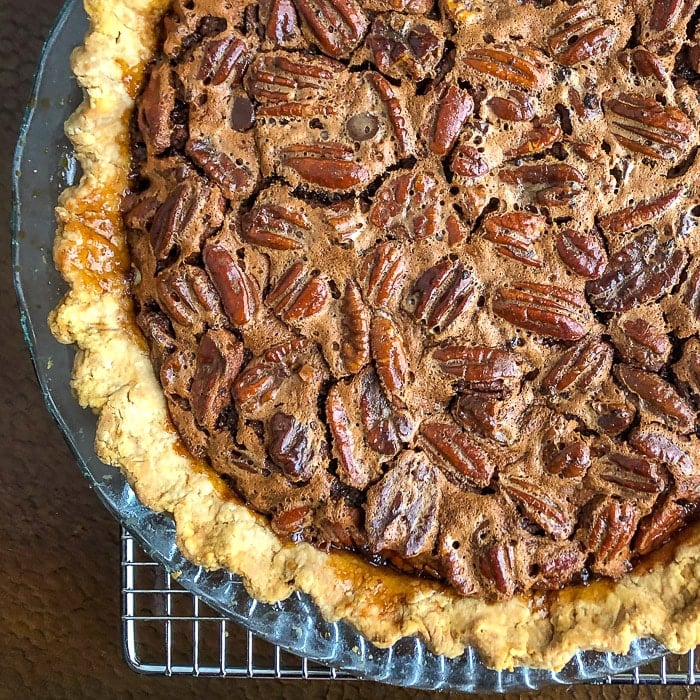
<point x="298" y="294"/>
<point x="239" y="291"/>
<point x="517" y="107"/>
<point x="497" y="565"/>
<point x="402" y="509"/>
<point x="582" y="367"/>
<point x="537" y="140"/>
<point x="608" y="535"/>
<point x="336" y="26"/>
<point x="328" y="165"/>
<point x="659" y="398"/>
<point x="641" y="271"/>
<point x="406" y="206"/>
<point x="582" y="252"/>
<point x="561" y="182"/>
<point x="224" y="60"/>
<point x="524" y="68"/>
<point x="640" y="214"/>
<point x="642" y="343"/>
<point x="219" y="359"/>
<point x="285" y="77"/>
<point x="291" y="520"/>
<point x="274" y="226"/>
<point x="488" y="415"/>
<point x="579" y="35"/>
<point x="389" y="353"/>
<point x="657" y="527"/>
<point x="451" y="109"/>
<point x="405" y="46"/>
<point x="467" y="161"/>
<point x="544" y="309"/>
<point x="155" y="109"/>
<point x="634" y="473"/>
<point x="480" y="368"/>
<point x="188" y="296"/>
<point x="386" y="426"/>
<point x="236" y="181"/>
<point x="553" y="515"/>
<point x="354" y="349"/>
<point x="280" y="22"/>
<point x="665" y="13"/>
<point x="393" y="106"/>
<point x="289" y="446"/>
<point x="514" y="234"/>
<point x="644" y="126"/>
<point x="382" y="273"/>
<point x="570" y="460"/>
<point x="451" y="449"/>
<point x="441" y="294"/>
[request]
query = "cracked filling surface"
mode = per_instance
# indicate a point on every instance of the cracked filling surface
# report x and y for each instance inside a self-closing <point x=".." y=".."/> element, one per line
<point x="423" y="281"/>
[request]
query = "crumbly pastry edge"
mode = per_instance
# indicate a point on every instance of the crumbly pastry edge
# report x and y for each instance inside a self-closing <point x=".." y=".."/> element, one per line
<point x="113" y="376"/>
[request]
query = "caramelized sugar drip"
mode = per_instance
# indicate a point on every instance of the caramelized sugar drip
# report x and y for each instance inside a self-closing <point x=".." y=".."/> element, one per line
<point x="423" y="281"/>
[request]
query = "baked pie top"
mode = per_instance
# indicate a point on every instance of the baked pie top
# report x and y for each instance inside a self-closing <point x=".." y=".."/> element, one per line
<point x="419" y="281"/>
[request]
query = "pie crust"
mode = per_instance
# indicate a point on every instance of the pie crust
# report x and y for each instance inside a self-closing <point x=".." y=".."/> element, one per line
<point x="113" y="375"/>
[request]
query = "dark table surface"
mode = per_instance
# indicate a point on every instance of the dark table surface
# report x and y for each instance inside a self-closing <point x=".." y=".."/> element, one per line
<point x="59" y="548"/>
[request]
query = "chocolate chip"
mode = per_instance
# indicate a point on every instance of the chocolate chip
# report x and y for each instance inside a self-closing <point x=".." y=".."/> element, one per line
<point x="362" y="126"/>
<point x="242" y="114"/>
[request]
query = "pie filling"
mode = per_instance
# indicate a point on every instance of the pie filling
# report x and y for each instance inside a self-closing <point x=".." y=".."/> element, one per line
<point x="423" y="280"/>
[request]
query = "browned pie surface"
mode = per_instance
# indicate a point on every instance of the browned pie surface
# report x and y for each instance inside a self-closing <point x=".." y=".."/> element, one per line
<point x="424" y="281"/>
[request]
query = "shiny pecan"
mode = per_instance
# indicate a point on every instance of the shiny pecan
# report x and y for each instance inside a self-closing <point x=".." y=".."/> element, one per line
<point x="328" y="165"/>
<point x="640" y="214"/>
<point x="389" y="353"/>
<point x="219" y="359"/>
<point x="524" y="68"/>
<point x="235" y="180"/>
<point x="582" y="367"/>
<point x="441" y="294"/>
<point x="497" y="565"/>
<point x="285" y="77"/>
<point x="480" y="368"/>
<point x="188" y="296"/>
<point x="354" y="348"/>
<point x="554" y="564"/>
<point x="641" y="271"/>
<point x="488" y="415"/>
<point x="406" y="206"/>
<point x="280" y="22"/>
<point x="156" y="327"/>
<point x="290" y="448"/>
<point x="644" y="126"/>
<point x="298" y="294"/>
<point x="665" y="13"/>
<point x="382" y="273"/>
<point x="517" y="107"/>
<point x="674" y="454"/>
<point x="336" y="26"/>
<point x="156" y="106"/>
<point x="452" y="450"/>
<point x="178" y="220"/>
<point x="613" y="410"/>
<point x="404" y="46"/>
<point x="633" y="472"/>
<point x="224" y="60"/>
<point x="456" y="230"/>
<point x="659" y="397"/>
<point x="570" y="460"/>
<point x="582" y="252"/>
<point x="657" y="527"/>
<point x="544" y="309"/>
<point x="394" y="109"/>
<point x="346" y="218"/>
<point x="274" y="226"/>
<point x="587" y="107"/>
<point x="608" y="535"/>
<point x="451" y="110"/>
<point x="642" y="343"/>
<point x="239" y="291"/>
<point x="261" y="379"/>
<point x="648" y="64"/>
<point x="467" y="161"/>
<point x="579" y="35"/>
<point x="402" y="509"/>
<point x="386" y="426"/>
<point x="561" y="182"/>
<point x="291" y="520"/>
<point x="537" y="140"/>
<point x="554" y="516"/>
<point x="514" y="234"/>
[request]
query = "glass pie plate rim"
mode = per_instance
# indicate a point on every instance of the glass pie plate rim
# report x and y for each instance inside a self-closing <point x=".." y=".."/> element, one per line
<point x="42" y="167"/>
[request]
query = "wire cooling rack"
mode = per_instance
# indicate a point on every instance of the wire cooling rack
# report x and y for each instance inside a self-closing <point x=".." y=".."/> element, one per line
<point x="169" y="631"/>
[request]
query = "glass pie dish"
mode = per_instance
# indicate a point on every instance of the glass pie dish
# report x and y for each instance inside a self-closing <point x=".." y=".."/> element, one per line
<point x="44" y="165"/>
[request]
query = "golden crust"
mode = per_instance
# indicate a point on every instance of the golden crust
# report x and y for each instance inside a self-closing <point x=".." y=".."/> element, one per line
<point x="113" y="376"/>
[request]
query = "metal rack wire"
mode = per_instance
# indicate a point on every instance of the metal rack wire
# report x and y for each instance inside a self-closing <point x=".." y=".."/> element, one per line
<point x="167" y="630"/>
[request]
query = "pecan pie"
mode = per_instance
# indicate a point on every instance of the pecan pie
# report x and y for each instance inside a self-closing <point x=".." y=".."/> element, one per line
<point x="420" y="284"/>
